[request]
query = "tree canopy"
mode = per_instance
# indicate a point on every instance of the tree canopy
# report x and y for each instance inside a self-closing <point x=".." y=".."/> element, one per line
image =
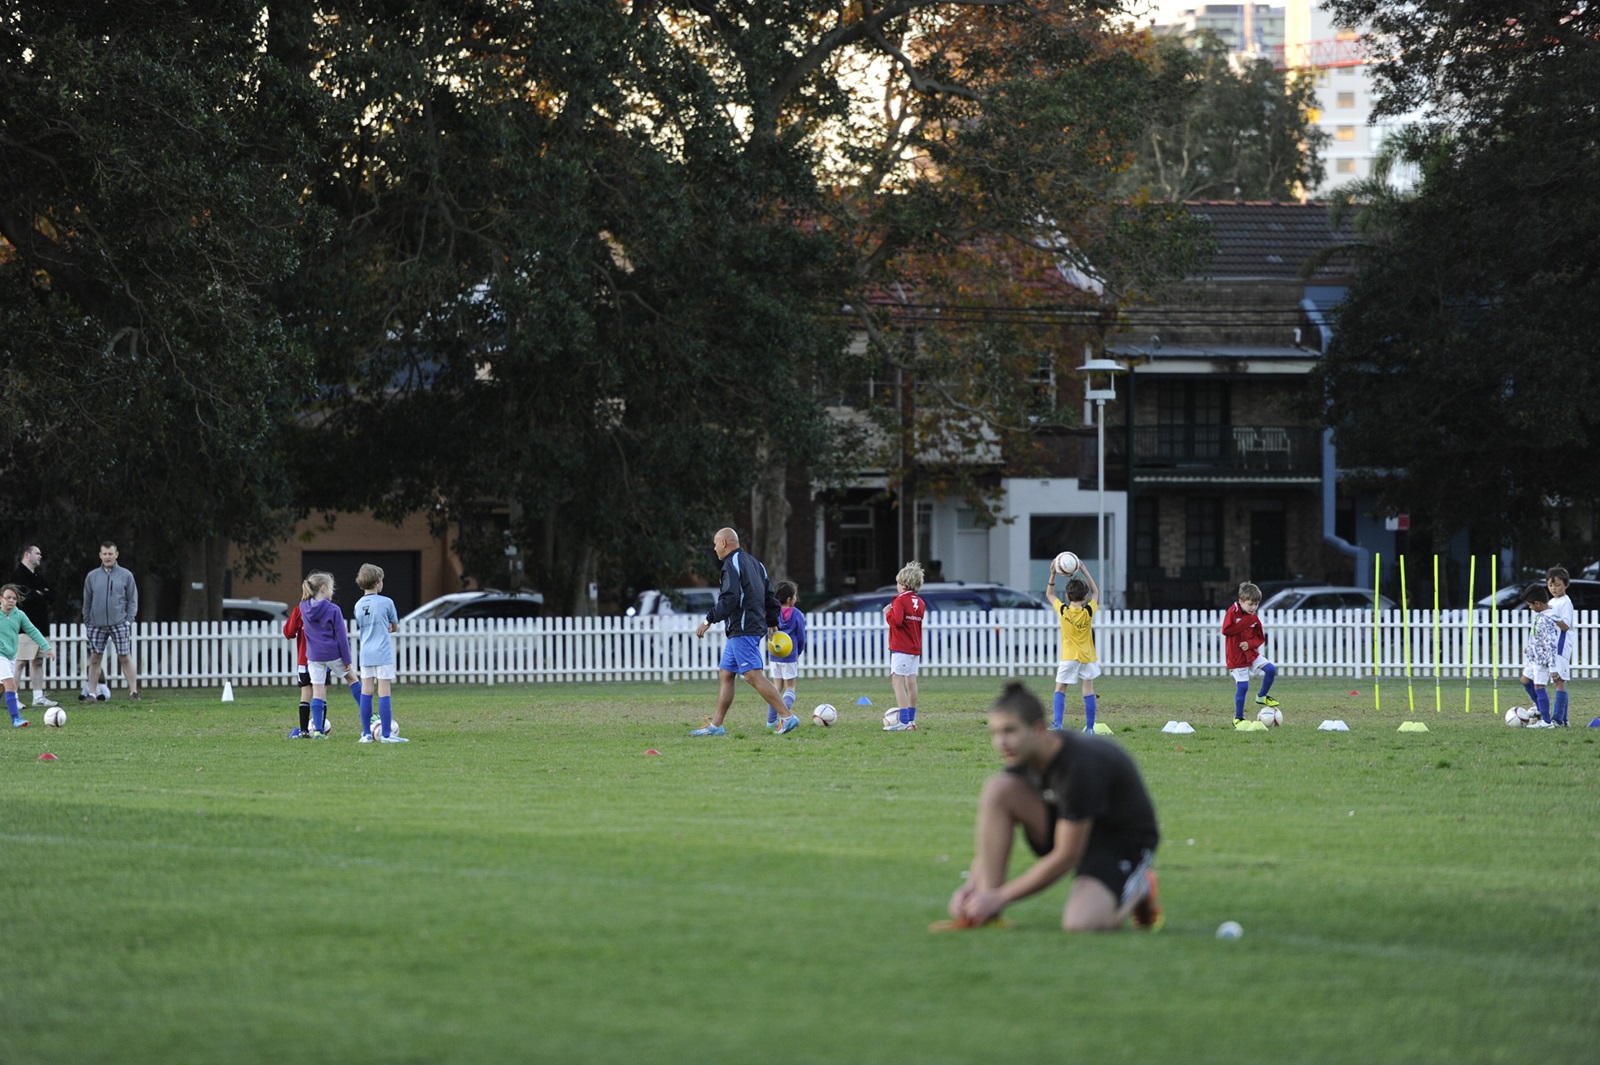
<point x="592" y="265"/>
<point x="1465" y="349"/>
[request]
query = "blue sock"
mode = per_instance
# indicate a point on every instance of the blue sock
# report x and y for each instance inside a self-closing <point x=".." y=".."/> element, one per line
<point x="1058" y="709"/>
<point x="1269" y="673"/>
<point x="319" y="712"/>
<point x="1527" y="686"/>
<point x="1542" y="697"/>
<point x="14" y="706"/>
<point x="1558" y="706"/>
<point x="788" y="699"/>
<point x="908" y="714"/>
<point x="772" y="714"/>
<point x="386" y="713"/>
<point x="1088" y="710"/>
<point x="355" y="692"/>
<point x="366" y="713"/>
<point x="1240" y="690"/>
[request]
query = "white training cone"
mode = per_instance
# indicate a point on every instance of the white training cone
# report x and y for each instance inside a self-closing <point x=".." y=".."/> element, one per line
<point x="227" y="691"/>
<point x="1181" y="728"/>
<point x="1333" y="726"/>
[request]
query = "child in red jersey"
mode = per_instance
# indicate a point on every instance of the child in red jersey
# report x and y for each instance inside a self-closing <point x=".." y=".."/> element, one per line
<point x="904" y="615"/>
<point x="1243" y="637"/>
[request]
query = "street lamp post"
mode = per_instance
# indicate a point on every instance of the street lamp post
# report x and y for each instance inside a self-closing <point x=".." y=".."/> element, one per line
<point x="1099" y="391"/>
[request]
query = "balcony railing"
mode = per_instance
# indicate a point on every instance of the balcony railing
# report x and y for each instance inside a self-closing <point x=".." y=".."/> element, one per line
<point x="1270" y="448"/>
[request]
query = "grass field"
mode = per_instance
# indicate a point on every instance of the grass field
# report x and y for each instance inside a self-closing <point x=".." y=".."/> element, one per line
<point x="523" y="883"/>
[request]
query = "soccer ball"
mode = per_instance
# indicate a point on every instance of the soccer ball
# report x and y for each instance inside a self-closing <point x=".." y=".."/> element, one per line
<point x="825" y="715"/>
<point x="1270" y="716"/>
<point x="780" y="644"/>
<point x="1514" y="717"/>
<point x="377" y="726"/>
<point x="1065" y="563"/>
<point x="55" y="717"/>
<point x="891" y="716"/>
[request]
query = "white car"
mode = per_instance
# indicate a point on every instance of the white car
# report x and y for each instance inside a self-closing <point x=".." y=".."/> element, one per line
<point x="255" y="609"/>
<point x="693" y="601"/>
<point x="1325" y="597"/>
<point x="486" y="603"/>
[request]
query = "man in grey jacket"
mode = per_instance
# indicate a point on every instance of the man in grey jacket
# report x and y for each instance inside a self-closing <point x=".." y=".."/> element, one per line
<point x="110" y="603"/>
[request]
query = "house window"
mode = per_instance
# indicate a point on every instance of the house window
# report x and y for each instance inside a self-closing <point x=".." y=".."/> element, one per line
<point x="1146" y="532"/>
<point x="1344" y="166"/>
<point x="1190" y="416"/>
<point x="1346" y="99"/>
<point x="1202" y="532"/>
<point x="1344" y="133"/>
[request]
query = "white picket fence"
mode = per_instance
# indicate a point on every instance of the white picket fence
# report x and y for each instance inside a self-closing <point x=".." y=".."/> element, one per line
<point x="1151" y="643"/>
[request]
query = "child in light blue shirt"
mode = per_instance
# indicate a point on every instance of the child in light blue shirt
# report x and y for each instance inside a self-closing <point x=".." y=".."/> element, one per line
<point x="376" y="618"/>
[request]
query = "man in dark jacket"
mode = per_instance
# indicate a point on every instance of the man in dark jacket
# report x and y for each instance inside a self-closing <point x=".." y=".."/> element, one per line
<point x="748" y="605"/>
<point x="37" y="606"/>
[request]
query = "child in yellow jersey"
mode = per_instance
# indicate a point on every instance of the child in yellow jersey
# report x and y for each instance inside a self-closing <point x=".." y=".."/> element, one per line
<point x="1078" y="660"/>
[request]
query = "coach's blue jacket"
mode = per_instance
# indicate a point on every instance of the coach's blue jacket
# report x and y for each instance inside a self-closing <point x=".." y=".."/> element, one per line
<point x="746" y="601"/>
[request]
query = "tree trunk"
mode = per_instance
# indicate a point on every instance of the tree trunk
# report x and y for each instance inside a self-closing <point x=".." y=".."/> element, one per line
<point x="769" y="517"/>
<point x="199" y="591"/>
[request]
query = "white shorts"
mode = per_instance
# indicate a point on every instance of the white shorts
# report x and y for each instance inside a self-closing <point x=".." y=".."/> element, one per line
<point x="27" y="650"/>
<point x="1562" y="667"/>
<point x="6" y="670"/>
<point x="1540" y="675"/>
<point x="1070" y="671"/>
<point x="1253" y="669"/>
<point x="903" y="665"/>
<point x="384" y="672"/>
<point x="320" y="670"/>
<point x="785" y="670"/>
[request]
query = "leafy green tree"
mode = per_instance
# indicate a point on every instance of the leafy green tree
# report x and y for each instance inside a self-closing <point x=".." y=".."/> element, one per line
<point x="149" y="200"/>
<point x="1465" y="348"/>
<point x="1226" y="132"/>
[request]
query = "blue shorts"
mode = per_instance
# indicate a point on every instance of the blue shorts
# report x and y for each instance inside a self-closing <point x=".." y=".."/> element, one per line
<point x="742" y="654"/>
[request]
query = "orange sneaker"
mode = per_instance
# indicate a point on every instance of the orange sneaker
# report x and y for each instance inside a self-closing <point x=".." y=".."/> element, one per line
<point x="1147" y="911"/>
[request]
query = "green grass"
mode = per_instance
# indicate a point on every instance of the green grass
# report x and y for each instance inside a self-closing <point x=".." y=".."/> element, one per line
<point x="522" y="882"/>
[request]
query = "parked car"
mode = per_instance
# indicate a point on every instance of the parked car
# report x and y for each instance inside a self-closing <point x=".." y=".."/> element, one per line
<point x="485" y="603"/>
<point x="1585" y="595"/>
<point x="654" y="601"/>
<point x="940" y="595"/>
<point x="255" y="609"/>
<point x="1324" y="597"/>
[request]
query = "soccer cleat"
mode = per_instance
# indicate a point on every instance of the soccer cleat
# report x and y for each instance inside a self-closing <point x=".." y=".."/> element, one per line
<point x="901" y="726"/>
<point x="83" y="695"/>
<point x="967" y="924"/>
<point x="393" y="739"/>
<point x="133" y="697"/>
<point x="296" y="734"/>
<point x="41" y="699"/>
<point x="1147" y="911"/>
<point x="1266" y="700"/>
<point x="709" y="730"/>
<point x="788" y="724"/>
<point x="1540" y="724"/>
<point x="19" y="722"/>
<point x="318" y="735"/>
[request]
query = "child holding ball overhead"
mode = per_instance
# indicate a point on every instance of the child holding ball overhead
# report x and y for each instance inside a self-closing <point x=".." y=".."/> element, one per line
<point x="1079" y="664"/>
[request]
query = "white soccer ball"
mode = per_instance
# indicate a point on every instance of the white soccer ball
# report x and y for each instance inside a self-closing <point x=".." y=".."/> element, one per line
<point x="1065" y="563"/>
<point x="891" y="716"/>
<point x="55" y="717"/>
<point x="377" y="726"/>
<point x="1270" y="716"/>
<point x="825" y="715"/>
<point x="1514" y="717"/>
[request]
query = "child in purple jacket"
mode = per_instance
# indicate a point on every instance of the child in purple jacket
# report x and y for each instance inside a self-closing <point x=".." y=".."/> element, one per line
<point x="327" y="643"/>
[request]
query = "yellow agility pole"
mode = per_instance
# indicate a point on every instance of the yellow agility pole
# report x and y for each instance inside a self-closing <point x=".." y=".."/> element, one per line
<point x="1494" y="632"/>
<point x="1405" y="638"/>
<point x="1436" y="634"/>
<point x="1377" y="578"/>
<point x="1472" y="612"/>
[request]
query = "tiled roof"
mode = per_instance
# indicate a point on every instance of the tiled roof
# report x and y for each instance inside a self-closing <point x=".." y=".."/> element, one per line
<point x="1259" y="239"/>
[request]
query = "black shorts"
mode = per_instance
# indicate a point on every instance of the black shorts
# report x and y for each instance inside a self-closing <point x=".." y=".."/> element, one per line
<point x="1116" y="862"/>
